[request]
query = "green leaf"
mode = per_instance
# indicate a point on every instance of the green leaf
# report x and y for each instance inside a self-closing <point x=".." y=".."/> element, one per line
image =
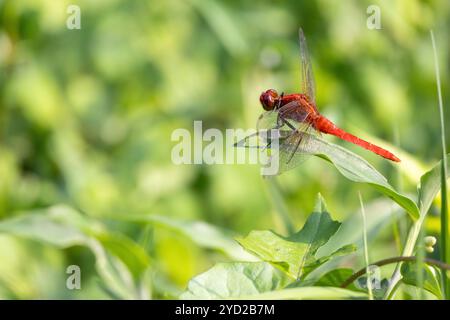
<point x="43" y="228"/>
<point x="318" y="229"/>
<point x="379" y="214"/>
<point x="201" y="233"/>
<point x="271" y="247"/>
<point x="335" y="278"/>
<point x="430" y="185"/>
<point x="295" y="255"/>
<point x="345" y="250"/>
<point x="351" y="166"/>
<point x="234" y="280"/>
<point x="431" y="277"/>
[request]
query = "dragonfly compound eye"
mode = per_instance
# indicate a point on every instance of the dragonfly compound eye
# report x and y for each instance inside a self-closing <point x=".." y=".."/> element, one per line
<point x="268" y="99"/>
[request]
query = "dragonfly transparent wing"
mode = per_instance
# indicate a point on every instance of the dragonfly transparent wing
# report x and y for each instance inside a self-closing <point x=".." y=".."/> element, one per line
<point x="295" y="148"/>
<point x="289" y="146"/>
<point x="308" y="85"/>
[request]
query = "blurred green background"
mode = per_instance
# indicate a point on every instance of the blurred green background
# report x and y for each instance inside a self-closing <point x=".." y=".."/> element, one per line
<point x="86" y="118"/>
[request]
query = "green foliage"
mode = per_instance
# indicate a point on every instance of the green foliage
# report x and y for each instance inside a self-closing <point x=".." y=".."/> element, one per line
<point x="430" y="184"/>
<point x="255" y="280"/>
<point x="296" y="254"/>
<point x="120" y="262"/>
<point x="431" y="277"/>
<point x="428" y="189"/>
<point x="234" y="280"/>
<point x="86" y="118"/>
<point x="335" y="278"/>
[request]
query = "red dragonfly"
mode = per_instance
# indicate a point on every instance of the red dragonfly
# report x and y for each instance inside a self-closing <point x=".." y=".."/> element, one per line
<point x="298" y="113"/>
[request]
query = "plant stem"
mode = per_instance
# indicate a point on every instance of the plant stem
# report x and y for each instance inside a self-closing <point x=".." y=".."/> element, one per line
<point x="420" y="253"/>
<point x="444" y="212"/>
<point x="399" y="186"/>
<point x="366" y="251"/>
<point x="380" y="263"/>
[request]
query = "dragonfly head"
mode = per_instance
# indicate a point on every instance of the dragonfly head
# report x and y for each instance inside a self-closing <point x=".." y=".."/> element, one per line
<point x="269" y="99"/>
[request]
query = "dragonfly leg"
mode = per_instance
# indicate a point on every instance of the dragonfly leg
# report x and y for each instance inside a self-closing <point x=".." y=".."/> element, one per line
<point x="296" y="146"/>
<point x="268" y="145"/>
<point x="283" y="121"/>
<point x="298" y="141"/>
<point x="280" y="123"/>
<point x="289" y="125"/>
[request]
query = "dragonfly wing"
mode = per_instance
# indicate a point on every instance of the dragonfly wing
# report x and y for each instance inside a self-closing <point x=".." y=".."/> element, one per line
<point x="251" y="141"/>
<point x="307" y="80"/>
<point x="267" y="121"/>
<point x="292" y="148"/>
<point x="296" y="148"/>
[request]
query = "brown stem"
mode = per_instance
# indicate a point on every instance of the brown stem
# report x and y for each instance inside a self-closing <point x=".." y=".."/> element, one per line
<point x="380" y="263"/>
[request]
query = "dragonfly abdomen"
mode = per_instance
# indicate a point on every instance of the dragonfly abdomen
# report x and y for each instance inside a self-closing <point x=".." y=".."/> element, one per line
<point x="326" y="126"/>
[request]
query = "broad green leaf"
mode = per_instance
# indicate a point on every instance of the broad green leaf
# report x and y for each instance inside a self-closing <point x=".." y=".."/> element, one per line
<point x="343" y="251"/>
<point x="431" y="277"/>
<point x="201" y="233"/>
<point x="43" y="228"/>
<point x="234" y="280"/>
<point x="329" y="279"/>
<point x="271" y="247"/>
<point x="309" y="293"/>
<point x="318" y="228"/>
<point x="351" y="166"/>
<point x="295" y="255"/>
<point x="430" y="185"/>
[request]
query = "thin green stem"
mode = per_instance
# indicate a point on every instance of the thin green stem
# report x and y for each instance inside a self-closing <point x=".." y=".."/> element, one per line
<point x="396" y="232"/>
<point x="444" y="210"/>
<point x="420" y="252"/>
<point x="366" y="251"/>
<point x="399" y="186"/>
